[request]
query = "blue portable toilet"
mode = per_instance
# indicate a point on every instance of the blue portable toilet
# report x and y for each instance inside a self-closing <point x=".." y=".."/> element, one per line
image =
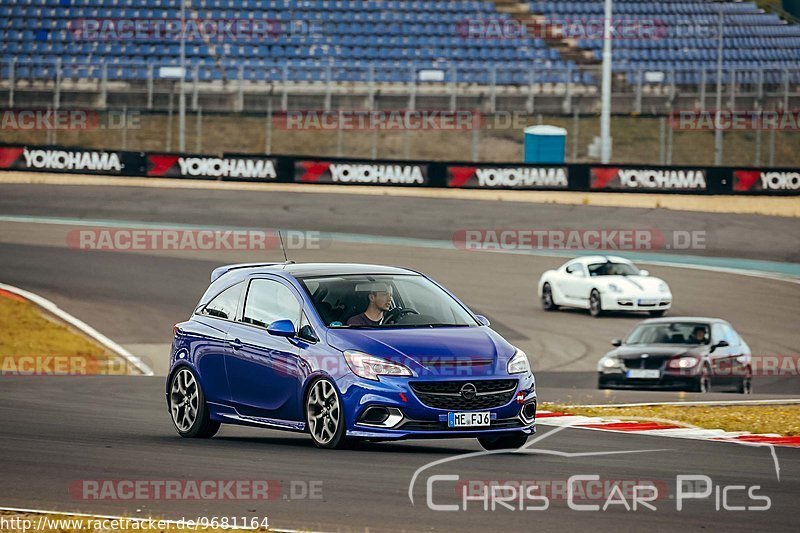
<point x="545" y="144"/>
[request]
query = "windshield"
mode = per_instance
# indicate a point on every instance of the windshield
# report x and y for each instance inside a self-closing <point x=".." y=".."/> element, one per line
<point x="670" y="333"/>
<point x="384" y="301"/>
<point x="612" y="269"/>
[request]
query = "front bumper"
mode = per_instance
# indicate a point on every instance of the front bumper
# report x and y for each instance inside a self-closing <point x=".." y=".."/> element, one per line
<point x="422" y="421"/>
<point x="665" y="381"/>
<point x="617" y="302"/>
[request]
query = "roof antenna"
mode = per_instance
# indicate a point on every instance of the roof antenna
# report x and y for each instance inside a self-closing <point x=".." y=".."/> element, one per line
<point x="280" y="236"/>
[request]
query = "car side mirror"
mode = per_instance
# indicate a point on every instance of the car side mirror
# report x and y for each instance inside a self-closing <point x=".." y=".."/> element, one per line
<point x="616" y="342"/>
<point x="644" y="272"/>
<point x="483" y="320"/>
<point x="720" y="344"/>
<point x="282" y="328"/>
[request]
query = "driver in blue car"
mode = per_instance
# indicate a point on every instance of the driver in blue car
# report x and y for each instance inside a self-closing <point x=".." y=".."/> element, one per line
<point x="380" y="302"/>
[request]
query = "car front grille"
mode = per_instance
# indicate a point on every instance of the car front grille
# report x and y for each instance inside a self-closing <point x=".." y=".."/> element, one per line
<point x="447" y="394"/>
<point x="649" y="363"/>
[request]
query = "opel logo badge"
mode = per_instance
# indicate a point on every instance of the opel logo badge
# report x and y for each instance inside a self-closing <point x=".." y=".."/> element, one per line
<point x="468" y="391"/>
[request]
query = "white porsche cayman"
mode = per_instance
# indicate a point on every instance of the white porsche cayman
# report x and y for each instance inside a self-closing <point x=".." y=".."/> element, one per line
<point x="603" y="283"/>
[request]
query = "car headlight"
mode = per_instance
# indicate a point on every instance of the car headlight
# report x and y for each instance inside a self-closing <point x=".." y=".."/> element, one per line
<point x="519" y="363"/>
<point x="663" y="287"/>
<point x="614" y="287"/>
<point x="683" y="362"/>
<point x="608" y="363"/>
<point x="370" y="367"/>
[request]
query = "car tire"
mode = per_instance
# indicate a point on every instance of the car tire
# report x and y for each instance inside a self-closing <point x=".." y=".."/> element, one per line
<point x="503" y="442"/>
<point x="325" y="420"/>
<point x="548" y="304"/>
<point x="658" y="313"/>
<point x="746" y="384"/>
<point x="188" y="407"/>
<point x="703" y="383"/>
<point x="595" y="303"/>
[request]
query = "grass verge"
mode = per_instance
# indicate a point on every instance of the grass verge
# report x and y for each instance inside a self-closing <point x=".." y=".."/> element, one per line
<point x="34" y="343"/>
<point x="780" y="419"/>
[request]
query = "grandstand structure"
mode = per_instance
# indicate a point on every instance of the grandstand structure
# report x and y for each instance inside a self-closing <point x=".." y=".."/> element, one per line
<point x="251" y="55"/>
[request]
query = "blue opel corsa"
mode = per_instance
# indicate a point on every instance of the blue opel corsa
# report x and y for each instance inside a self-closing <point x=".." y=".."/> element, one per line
<point x="345" y="352"/>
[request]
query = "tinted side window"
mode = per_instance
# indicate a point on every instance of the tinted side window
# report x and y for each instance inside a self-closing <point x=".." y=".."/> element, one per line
<point x="268" y="301"/>
<point x="225" y="304"/>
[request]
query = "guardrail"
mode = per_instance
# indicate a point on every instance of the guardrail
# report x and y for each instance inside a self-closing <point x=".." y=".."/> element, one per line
<point x="348" y="171"/>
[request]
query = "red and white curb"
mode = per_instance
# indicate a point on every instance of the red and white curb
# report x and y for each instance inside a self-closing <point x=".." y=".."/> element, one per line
<point x="661" y="429"/>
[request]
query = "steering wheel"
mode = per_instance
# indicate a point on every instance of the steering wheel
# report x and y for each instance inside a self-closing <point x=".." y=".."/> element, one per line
<point x="397" y="313"/>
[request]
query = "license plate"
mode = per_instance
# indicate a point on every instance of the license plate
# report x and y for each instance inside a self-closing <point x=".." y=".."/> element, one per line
<point x="648" y="302"/>
<point x="469" y="419"/>
<point x="643" y="374"/>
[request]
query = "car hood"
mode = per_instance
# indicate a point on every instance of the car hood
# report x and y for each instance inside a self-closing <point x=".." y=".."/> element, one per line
<point x="634" y="284"/>
<point x="658" y="350"/>
<point x="458" y="351"/>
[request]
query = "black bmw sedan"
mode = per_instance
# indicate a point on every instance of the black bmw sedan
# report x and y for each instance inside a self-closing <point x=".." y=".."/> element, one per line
<point x="683" y="353"/>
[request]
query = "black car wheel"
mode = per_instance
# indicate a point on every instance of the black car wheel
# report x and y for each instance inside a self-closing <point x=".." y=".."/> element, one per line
<point x="595" y="304"/>
<point x="547" y="298"/>
<point x="658" y="313"/>
<point x="746" y="384"/>
<point x="703" y="383"/>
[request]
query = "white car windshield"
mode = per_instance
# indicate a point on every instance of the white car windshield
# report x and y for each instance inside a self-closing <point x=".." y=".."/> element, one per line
<point x="384" y="301"/>
<point x="610" y="268"/>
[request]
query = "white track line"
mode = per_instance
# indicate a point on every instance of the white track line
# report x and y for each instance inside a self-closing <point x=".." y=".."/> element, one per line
<point x="49" y="306"/>
<point x="131" y="518"/>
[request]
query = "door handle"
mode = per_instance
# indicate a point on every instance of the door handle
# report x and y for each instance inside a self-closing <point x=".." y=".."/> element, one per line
<point x="236" y="344"/>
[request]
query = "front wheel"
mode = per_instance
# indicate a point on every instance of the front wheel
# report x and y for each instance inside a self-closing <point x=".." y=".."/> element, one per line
<point x="746" y="385"/>
<point x="703" y="383"/>
<point x="595" y="304"/>
<point x="547" y="298"/>
<point x="503" y="442"/>
<point x="325" y="416"/>
<point x="187" y="405"/>
<point x="658" y="313"/>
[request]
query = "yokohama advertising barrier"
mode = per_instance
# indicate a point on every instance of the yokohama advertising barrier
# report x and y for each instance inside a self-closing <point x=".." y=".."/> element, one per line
<point x="227" y="167"/>
<point x="341" y="171"/>
<point x="361" y="172"/>
<point x="71" y="160"/>
<point x="508" y="177"/>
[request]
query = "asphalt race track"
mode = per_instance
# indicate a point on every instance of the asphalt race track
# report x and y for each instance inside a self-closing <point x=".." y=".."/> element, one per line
<point x="60" y="431"/>
<point x="57" y="431"/>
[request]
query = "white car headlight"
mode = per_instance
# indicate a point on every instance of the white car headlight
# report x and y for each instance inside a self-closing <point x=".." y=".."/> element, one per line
<point x="614" y="287"/>
<point x="663" y="287"/>
<point x="608" y="363"/>
<point x="370" y="367"/>
<point x="519" y="363"/>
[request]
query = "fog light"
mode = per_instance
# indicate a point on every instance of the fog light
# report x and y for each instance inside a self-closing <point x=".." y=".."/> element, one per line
<point x="380" y="416"/>
<point x="528" y="412"/>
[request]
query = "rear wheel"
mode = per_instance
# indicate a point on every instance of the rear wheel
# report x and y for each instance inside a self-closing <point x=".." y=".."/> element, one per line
<point x="503" y="442"/>
<point x="595" y="304"/>
<point x="547" y="298"/>
<point x="187" y="405"/>
<point x="324" y="415"/>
